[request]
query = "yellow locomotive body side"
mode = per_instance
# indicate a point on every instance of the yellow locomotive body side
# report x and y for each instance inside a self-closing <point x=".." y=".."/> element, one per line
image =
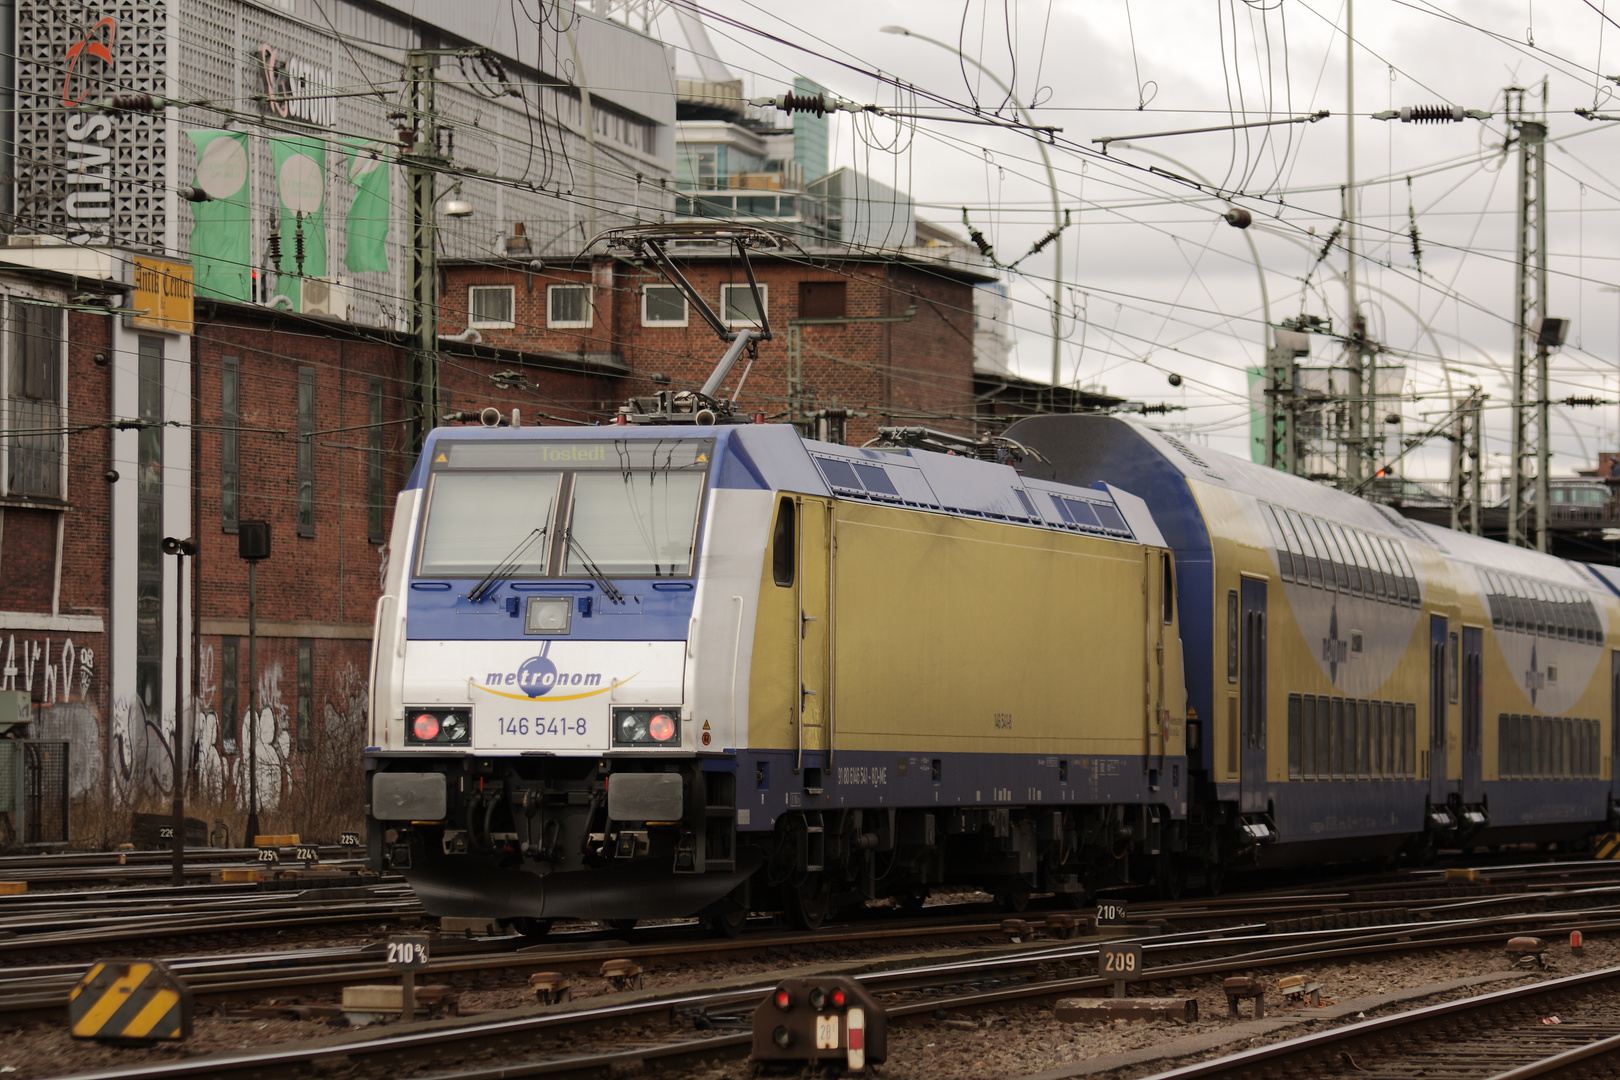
<point x="932" y="632"/>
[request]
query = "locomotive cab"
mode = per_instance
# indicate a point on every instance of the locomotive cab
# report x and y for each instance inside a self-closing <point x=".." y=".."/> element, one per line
<point x="532" y="714"/>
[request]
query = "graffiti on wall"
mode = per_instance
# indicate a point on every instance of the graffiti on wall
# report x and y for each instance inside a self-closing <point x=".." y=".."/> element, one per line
<point x="65" y="676"/>
<point x="56" y="668"/>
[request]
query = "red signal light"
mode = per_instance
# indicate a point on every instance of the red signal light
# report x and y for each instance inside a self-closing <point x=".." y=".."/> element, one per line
<point x="661" y="727"/>
<point x="838" y="997"/>
<point x="784" y="1000"/>
<point x="426" y="727"/>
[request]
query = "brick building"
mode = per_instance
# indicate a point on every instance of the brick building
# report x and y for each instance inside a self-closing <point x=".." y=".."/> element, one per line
<point x="887" y="338"/>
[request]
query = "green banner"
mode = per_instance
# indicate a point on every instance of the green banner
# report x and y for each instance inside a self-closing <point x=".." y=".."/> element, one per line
<point x="221" y="236"/>
<point x="301" y="181"/>
<point x="1257" y="415"/>
<point x="366" y="246"/>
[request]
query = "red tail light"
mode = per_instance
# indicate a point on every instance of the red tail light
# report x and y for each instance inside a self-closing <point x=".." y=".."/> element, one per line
<point x="661" y="728"/>
<point x="426" y="727"/>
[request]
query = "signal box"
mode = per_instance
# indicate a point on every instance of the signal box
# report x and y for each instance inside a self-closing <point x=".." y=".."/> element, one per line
<point x="823" y="1018"/>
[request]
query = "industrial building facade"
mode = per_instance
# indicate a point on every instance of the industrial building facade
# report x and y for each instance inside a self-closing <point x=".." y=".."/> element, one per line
<point x="174" y="365"/>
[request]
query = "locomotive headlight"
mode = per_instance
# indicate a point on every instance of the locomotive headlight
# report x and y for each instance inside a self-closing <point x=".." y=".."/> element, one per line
<point x="548" y="614"/>
<point x="643" y="726"/>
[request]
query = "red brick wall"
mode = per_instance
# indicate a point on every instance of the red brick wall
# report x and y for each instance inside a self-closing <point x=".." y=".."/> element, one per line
<point x="915" y="372"/>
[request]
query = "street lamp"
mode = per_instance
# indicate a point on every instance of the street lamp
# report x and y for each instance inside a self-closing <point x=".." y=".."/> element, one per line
<point x="1051" y="180"/>
<point x="179" y="549"/>
<point x="253" y="544"/>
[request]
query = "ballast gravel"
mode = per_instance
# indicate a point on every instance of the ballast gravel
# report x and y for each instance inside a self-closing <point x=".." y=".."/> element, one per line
<point x="1014" y="1042"/>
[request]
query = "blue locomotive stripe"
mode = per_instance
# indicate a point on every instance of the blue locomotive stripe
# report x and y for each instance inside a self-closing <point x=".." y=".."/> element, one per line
<point x="647" y="614"/>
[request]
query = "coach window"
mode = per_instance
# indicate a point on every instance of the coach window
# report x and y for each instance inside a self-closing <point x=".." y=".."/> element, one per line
<point x="1231" y="635"/>
<point x="1452" y="681"/>
<point x="1169" y="587"/>
<point x="782" y="547"/>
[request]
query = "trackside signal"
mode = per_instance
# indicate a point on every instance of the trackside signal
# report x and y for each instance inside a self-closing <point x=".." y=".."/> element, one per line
<point x="824" y="1018"/>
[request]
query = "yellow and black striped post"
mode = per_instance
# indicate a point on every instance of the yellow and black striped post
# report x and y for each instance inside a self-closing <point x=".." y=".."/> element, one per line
<point x="1607" y="846"/>
<point x="130" y="1001"/>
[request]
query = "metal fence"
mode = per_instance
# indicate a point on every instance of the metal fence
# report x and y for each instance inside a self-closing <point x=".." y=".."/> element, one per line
<point x="33" y="793"/>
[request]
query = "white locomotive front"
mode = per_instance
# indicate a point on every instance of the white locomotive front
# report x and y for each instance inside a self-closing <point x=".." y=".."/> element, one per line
<point x="530" y="720"/>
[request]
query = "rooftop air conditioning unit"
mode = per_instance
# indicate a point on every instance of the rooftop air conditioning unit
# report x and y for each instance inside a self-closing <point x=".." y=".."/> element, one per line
<point x="325" y="296"/>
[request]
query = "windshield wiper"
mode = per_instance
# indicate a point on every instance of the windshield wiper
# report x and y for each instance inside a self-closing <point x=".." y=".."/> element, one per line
<point x="505" y="567"/>
<point x="608" y="588"/>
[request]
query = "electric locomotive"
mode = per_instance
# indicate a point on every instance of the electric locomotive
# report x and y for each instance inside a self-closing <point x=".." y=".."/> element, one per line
<point x="639" y="672"/>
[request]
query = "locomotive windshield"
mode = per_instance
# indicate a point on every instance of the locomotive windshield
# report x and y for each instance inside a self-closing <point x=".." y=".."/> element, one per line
<point x="527" y="508"/>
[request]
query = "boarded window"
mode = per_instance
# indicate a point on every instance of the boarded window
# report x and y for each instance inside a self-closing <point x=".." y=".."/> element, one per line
<point x="822" y="300"/>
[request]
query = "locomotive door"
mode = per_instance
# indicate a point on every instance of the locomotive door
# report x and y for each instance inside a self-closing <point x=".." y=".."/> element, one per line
<point x="1440" y="787"/>
<point x="1473" y="713"/>
<point x="813" y="660"/>
<point x="1156" y="589"/>
<point x="1252" y="697"/>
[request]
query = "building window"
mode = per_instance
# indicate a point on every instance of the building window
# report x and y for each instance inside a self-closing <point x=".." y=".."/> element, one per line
<point x="662" y="305"/>
<point x="568" y="306"/>
<point x="737" y="306"/>
<point x="490" y="306"/>
<point x="149" y="528"/>
<point x="34" y="402"/>
<point x="306" y="692"/>
<point x="375" y="505"/>
<point x="230" y="443"/>
<point x="822" y="300"/>
<point x="306" y="451"/>
<point x="230" y="708"/>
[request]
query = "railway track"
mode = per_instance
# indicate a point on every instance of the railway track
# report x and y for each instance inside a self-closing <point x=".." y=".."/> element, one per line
<point x="1561" y="1027"/>
<point x="672" y="1027"/>
<point x="90" y="868"/>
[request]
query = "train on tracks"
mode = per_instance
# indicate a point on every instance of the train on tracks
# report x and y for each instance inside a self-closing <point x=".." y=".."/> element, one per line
<point x="638" y="672"/>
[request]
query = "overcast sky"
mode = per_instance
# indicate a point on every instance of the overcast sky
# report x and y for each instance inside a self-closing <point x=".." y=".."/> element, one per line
<point x="1153" y="281"/>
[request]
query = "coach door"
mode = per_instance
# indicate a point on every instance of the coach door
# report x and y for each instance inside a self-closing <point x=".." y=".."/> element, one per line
<point x="1439" y="787"/>
<point x="813" y="656"/>
<point x="1252" y="696"/>
<point x="1614" y="722"/>
<point x="1473" y="718"/>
